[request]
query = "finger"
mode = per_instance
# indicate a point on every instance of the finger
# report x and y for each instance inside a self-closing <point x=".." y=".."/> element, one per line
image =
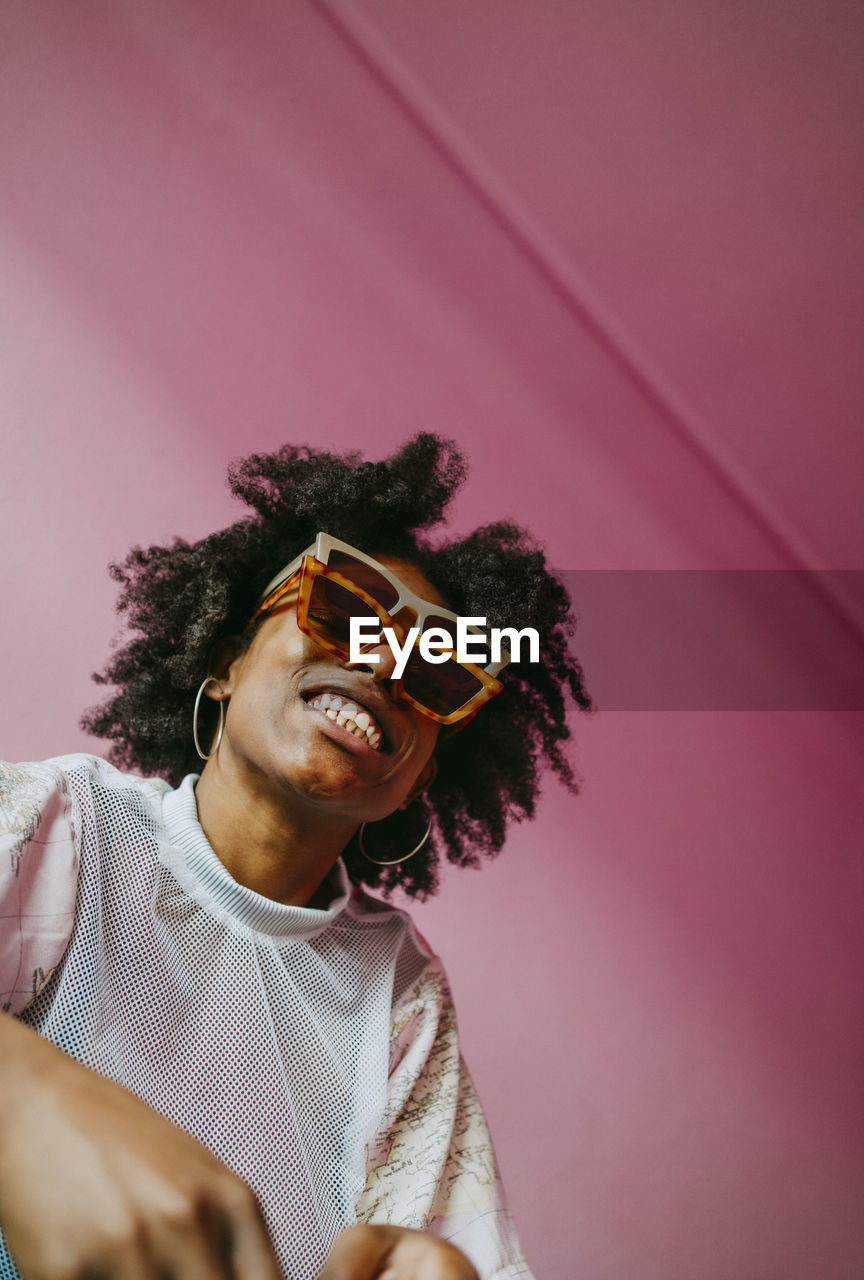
<point x="193" y="1239"/>
<point x="359" y="1253"/>
<point x="190" y="1251"/>
<point x="251" y="1252"/>
<point x="144" y="1255"/>
<point x="416" y="1255"/>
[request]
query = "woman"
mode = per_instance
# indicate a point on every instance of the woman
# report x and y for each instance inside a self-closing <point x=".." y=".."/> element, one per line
<point x="203" y="947"/>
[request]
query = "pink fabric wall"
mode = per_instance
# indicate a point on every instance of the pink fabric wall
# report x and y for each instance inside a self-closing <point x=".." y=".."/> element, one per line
<point x="614" y="250"/>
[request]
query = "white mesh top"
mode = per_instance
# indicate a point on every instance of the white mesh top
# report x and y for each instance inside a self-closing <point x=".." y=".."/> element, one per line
<point x="313" y="1051"/>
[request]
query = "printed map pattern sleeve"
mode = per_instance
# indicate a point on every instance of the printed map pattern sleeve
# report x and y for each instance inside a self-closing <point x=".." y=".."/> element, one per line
<point x="431" y="1165"/>
<point x="39" y="861"/>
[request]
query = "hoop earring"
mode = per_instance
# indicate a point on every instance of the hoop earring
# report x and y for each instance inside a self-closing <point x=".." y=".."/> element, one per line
<point x="392" y="862"/>
<point x="195" y="720"/>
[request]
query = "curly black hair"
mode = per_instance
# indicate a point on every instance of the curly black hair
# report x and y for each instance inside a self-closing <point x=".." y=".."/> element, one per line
<point x="180" y="599"/>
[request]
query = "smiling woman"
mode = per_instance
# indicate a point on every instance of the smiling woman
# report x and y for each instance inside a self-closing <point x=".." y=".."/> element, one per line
<point x="201" y="945"/>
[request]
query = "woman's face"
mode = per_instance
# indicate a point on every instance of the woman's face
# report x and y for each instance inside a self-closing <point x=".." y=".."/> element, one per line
<point x="278" y="733"/>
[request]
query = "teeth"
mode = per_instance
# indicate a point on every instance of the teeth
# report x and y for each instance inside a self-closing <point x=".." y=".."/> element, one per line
<point x="349" y="716"/>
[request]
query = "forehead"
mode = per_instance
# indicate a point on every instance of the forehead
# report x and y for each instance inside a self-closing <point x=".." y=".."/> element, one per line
<point x="413" y="578"/>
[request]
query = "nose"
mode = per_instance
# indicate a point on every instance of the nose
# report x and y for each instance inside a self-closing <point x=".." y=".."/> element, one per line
<point x="382" y="669"/>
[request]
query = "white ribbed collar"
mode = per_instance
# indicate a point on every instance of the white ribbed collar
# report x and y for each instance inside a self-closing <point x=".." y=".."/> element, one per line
<point x="180" y="814"/>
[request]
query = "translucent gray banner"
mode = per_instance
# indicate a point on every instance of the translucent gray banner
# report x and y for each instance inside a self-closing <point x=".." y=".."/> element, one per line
<point x="718" y="640"/>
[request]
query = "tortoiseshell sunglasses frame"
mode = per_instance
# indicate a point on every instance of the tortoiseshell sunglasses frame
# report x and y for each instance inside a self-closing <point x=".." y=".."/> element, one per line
<point x="312" y="563"/>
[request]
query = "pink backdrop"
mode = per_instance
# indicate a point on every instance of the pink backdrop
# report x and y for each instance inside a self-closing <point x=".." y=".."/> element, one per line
<point x="615" y="250"/>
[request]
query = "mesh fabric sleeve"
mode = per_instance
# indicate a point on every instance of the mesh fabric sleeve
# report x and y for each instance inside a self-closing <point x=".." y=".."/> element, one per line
<point x="431" y="1164"/>
<point x="39" y="860"/>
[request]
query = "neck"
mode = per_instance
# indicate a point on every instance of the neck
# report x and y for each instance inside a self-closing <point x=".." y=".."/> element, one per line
<point x="283" y="851"/>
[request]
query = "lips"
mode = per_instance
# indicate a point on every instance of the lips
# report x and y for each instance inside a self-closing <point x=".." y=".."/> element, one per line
<point x="366" y="717"/>
<point x="349" y="715"/>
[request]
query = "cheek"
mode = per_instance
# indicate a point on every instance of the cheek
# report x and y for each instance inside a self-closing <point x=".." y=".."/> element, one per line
<point x="427" y="735"/>
<point x="259" y="702"/>
<point x="253" y="718"/>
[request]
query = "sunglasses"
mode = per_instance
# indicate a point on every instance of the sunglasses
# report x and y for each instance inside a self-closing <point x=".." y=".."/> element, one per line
<point x="337" y="583"/>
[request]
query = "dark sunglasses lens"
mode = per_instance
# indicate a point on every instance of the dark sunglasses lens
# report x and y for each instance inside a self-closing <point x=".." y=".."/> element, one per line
<point x="367" y="577"/>
<point x="331" y="608"/>
<point x="442" y="687"/>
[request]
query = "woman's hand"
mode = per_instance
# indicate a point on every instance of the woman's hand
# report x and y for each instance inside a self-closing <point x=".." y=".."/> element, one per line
<point x="95" y="1183"/>
<point x="395" y="1253"/>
